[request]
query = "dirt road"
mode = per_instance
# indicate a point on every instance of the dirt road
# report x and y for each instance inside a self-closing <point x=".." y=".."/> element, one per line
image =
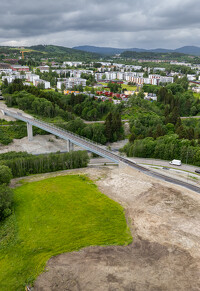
<point x="164" y="255"/>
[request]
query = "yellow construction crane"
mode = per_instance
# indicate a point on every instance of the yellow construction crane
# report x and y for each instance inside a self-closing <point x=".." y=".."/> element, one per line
<point x="22" y="51"/>
<point x="22" y="54"/>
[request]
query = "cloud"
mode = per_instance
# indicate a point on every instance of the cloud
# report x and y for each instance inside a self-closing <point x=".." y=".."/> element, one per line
<point x="129" y="23"/>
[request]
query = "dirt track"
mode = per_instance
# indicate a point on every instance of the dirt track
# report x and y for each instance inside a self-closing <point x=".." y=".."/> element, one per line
<point x="164" y="255"/>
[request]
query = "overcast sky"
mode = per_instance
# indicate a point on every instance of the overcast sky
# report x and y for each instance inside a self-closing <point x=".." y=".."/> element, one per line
<point x="114" y="23"/>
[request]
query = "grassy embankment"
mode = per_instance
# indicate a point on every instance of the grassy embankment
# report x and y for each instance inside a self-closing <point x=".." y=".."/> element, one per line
<point x="197" y="95"/>
<point x="53" y="216"/>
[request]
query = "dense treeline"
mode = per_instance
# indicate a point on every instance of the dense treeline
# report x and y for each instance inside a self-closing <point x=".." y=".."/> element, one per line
<point x="174" y="100"/>
<point x="14" y="155"/>
<point x="6" y="194"/>
<point x="167" y="147"/>
<point x="88" y="108"/>
<point x="161" y="133"/>
<point x="113" y="127"/>
<point x="36" y="105"/>
<point x="111" y="131"/>
<point x="26" y="165"/>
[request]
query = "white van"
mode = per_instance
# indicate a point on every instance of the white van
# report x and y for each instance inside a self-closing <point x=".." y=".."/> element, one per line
<point x="175" y="162"/>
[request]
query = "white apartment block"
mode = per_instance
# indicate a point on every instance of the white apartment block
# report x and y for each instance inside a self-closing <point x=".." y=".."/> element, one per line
<point x="71" y="82"/>
<point x="105" y="64"/>
<point x="181" y="64"/>
<point x="158" y="69"/>
<point x="161" y="79"/>
<point x="39" y="81"/>
<point x="6" y="71"/>
<point x="77" y="73"/>
<point x="72" y="64"/>
<point x="191" y="77"/>
<point x="9" y="78"/>
<point x="32" y="77"/>
<point x="43" y="68"/>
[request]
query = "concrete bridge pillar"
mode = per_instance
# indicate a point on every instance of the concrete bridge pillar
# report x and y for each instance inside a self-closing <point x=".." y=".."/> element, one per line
<point x="70" y="146"/>
<point x="30" y="131"/>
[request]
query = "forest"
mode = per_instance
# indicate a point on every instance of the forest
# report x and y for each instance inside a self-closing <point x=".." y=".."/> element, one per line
<point x="161" y="132"/>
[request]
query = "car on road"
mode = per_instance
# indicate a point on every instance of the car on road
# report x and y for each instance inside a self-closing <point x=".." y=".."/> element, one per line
<point x="197" y="171"/>
<point x="175" y="162"/>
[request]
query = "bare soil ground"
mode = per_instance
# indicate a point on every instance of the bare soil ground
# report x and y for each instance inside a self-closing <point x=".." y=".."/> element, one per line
<point x="41" y="144"/>
<point x="165" y="253"/>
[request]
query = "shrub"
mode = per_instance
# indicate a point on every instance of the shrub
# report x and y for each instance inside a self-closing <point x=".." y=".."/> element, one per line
<point x="5" y="174"/>
<point x="6" y="197"/>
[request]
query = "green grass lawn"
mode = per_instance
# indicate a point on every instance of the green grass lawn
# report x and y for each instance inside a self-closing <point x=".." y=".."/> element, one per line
<point x="53" y="216"/>
<point x="197" y="95"/>
<point x="129" y="87"/>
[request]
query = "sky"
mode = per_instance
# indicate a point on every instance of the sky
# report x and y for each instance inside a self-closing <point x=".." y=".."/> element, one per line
<point x="111" y="23"/>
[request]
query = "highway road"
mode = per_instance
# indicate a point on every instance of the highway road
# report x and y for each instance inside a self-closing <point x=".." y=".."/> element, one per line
<point x="164" y="164"/>
<point x="152" y="162"/>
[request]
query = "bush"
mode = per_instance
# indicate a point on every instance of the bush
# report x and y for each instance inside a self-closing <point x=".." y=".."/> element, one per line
<point x="6" y="197"/>
<point x="5" y="174"/>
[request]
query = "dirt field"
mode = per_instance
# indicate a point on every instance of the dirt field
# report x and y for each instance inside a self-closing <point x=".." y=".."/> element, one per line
<point x="164" y="255"/>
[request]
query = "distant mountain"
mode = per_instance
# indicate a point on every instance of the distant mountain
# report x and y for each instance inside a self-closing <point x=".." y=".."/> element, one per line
<point x="100" y="50"/>
<point x="189" y="50"/>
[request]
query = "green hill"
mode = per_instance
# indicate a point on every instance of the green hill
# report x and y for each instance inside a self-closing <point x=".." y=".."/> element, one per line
<point x="51" y="51"/>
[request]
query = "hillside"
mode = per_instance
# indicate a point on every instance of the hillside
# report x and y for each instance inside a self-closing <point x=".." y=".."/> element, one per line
<point x="152" y="55"/>
<point x="190" y="50"/>
<point x="55" y="50"/>
<point x="50" y="51"/>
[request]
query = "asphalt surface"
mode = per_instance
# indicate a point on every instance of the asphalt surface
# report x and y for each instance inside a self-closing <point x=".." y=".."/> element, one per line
<point x="153" y="163"/>
<point x="164" y="164"/>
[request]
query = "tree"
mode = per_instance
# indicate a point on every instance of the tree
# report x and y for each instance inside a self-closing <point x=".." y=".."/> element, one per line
<point x="5" y="175"/>
<point x="5" y="82"/>
<point x="108" y="127"/>
<point x="63" y="87"/>
<point x="6" y="198"/>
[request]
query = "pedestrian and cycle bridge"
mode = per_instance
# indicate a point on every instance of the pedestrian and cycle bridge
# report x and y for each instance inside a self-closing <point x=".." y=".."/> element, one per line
<point x="74" y="139"/>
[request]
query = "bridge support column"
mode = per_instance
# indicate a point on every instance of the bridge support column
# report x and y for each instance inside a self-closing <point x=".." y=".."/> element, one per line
<point x="30" y="131"/>
<point x="70" y="146"/>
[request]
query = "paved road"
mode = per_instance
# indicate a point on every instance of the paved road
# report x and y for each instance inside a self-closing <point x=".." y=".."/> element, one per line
<point x="151" y="162"/>
<point x="188" y="117"/>
<point x="164" y="164"/>
<point x="100" y="121"/>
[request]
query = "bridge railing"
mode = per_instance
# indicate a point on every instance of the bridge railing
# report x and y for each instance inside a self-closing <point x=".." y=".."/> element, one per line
<point x="69" y="132"/>
<point x="96" y="146"/>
